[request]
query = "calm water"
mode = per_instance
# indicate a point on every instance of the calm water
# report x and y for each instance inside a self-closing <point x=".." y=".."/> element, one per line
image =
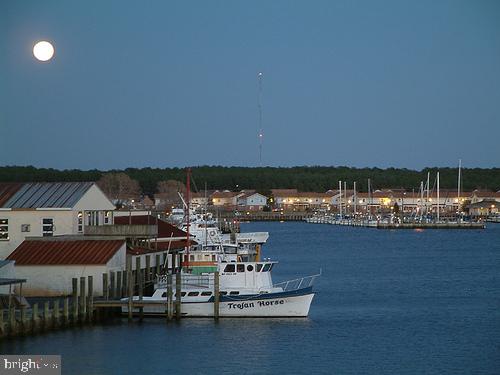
<point x="389" y="302"/>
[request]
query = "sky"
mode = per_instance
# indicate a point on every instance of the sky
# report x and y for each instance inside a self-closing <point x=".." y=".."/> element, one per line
<point x="134" y="83"/>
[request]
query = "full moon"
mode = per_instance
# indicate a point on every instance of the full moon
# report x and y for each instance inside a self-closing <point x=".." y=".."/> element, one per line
<point x="43" y="51"/>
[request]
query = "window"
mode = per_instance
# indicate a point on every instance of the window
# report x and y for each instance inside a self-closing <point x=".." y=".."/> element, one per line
<point x="259" y="267"/>
<point x="229" y="268"/>
<point x="107" y="217"/>
<point x="206" y="293"/>
<point x="267" y="267"/>
<point x="47" y="227"/>
<point x="182" y="294"/>
<point x="25" y="228"/>
<point x="234" y="293"/>
<point x="4" y="229"/>
<point x="193" y="294"/>
<point x="80" y="222"/>
<point x="249" y="268"/>
<point x="240" y="268"/>
<point x="164" y="295"/>
<point x="223" y="293"/>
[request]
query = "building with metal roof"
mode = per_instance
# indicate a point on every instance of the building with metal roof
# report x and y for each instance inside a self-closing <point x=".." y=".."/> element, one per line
<point x="49" y="209"/>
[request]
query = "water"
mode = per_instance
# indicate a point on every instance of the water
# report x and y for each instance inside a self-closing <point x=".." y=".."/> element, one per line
<point x="388" y="302"/>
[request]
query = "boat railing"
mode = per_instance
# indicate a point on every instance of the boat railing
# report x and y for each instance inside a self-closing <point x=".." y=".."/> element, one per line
<point x="201" y="281"/>
<point x="303" y="282"/>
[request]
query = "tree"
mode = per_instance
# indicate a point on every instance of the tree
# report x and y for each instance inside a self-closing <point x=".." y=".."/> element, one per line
<point x="119" y="187"/>
<point x="168" y="192"/>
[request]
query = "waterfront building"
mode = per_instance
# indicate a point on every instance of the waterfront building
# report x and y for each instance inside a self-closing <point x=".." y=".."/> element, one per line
<point x="252" y="201"/>
<point x="293" y="200"/>
<point x="49" y="209"/>
<point x="225" y="199"/>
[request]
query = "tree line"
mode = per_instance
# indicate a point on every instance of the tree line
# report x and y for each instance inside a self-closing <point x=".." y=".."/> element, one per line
<point x="263" y="179"/>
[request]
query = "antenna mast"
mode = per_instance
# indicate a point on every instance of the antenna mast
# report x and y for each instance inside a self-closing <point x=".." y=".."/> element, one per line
<point x="261" y="131"/>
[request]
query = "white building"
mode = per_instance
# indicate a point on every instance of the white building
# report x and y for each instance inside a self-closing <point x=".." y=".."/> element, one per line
<point x="49" y="264"/>
<point x="252" y="201"/>
<point x="49" y="209"/>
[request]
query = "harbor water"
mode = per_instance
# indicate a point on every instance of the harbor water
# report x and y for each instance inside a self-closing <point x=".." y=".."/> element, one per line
<point x="388" y="302"/>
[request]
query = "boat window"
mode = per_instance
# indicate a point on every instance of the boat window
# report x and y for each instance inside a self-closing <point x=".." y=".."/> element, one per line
<point x="229" y="268"/>
<point x="193" y="294"/>
<point x="240" y="267"/>
<point x="164" y="295"/>
<point x="259" y="266"/>
<point x="213" y="257"/>
<point x="270" y="268"/>
<point x="249" y="268"/>
<point x="223" y="293"/>
<point x="234" y="293"/>
<point x="191" y="257"/>
<point x="267" y="267"/>
<point x="182" y="294"/>
<point x="206" y="293"/>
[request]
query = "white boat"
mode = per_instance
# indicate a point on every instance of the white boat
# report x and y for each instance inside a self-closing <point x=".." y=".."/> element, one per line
<point x="246" y="290"/>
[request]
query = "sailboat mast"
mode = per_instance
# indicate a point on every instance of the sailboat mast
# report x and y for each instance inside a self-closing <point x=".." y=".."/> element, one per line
<point x="261" y="131"/>
<point x="340" y="198"/>
<point x="427" y="202"/>
<point x="188" y="188"/>
<point x="438" y="196"/>
<point x="458" y="189"/>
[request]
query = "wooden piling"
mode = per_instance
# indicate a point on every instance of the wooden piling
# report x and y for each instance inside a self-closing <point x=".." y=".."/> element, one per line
<point x="66" y="311"/>
<point x="46" y="317"/>
<point x="124" y="283"/>
<point x="119" y="293"/>
<point x="130" y="291"/>
<point x="140" y="285"/>
<point x="83" y="299"/>
<point x="2" y="325"/>
<point x="105" y="288"/>
<point x="90" y="300"/>
<point x="157" y="264"/>
<point x="24" y="323"/>
<point x="34" y="318"/>
<point x="147" y="276"/>
<point x="112" y="284"/>
<point x="12" y="320"/>
<point x="216" y="295"/>
<point x="170" y="296"/>
<point x="178" y="292"/>
<point x="74" y="301"/>
<point x="55" y="314"/>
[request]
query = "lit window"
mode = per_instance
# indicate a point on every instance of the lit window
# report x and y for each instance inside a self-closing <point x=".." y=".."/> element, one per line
<point x="80" y="222"/>
<point x="4" y="229"/>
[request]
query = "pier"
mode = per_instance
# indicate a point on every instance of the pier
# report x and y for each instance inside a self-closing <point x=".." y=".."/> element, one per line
<point x="82" y="307"/>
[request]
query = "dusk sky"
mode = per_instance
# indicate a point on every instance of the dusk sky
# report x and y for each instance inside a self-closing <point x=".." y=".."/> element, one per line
<point x="162" y="83"/>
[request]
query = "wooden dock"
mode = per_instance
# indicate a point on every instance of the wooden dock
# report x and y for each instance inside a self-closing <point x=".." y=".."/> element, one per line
<point x="83" y="308"/>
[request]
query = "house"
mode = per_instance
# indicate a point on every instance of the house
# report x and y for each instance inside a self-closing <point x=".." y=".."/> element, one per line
<point x="485" y="207"/>
<point x="225" y="199"/>
<point x="293" y="200"/>
<point x="251" y="201"/>
<point x="49" y="209"/>
<point x="200" y="199"/>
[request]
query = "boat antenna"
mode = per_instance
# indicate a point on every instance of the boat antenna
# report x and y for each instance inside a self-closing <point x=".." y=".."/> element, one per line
<point x="188" y="188"/>
<point x="261" y="131"/>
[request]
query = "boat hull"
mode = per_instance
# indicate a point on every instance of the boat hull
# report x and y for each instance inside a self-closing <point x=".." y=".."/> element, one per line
<point x="282" y="305"/>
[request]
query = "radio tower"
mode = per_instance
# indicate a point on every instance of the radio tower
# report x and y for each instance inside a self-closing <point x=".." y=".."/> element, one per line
<point x="261" y="132"/>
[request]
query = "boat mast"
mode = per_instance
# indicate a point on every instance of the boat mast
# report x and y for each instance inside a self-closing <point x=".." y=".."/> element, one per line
<point x="355" y="198"/>
<point x="438" y="196"/>
<point x="261" y="131"/>
<point x="370" y="203"/>
<point x="340" y="198"/>
<point x="427" y="202"/>
<point x="345" y="196"/>
<point x="458" y="190"/>
<point x="188" y="198"/>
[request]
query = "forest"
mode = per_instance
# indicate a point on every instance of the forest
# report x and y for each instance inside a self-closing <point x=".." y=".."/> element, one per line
<point x="263" y="179"/>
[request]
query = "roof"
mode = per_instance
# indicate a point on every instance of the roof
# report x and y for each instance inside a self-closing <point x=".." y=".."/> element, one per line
<point x="283" y="192"/>
<point x="4" y="262"/>
<point x="225" y="194"/>
<point x="65" y="252"/>
<point x="485" y="204"/>
<point x="42" y="194"/>
<point x="7" y="190"/>
<point x="165" y="230"/>
<point x="159" y="246"/>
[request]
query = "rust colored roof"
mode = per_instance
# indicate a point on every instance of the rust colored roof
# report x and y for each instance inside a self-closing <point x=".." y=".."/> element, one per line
<point x="7" y="190"/>
<point x="161" y="246"/>
<point x="225" y="194"/>
<point x="165" y="230"/>
<point x="63" y="252"/>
